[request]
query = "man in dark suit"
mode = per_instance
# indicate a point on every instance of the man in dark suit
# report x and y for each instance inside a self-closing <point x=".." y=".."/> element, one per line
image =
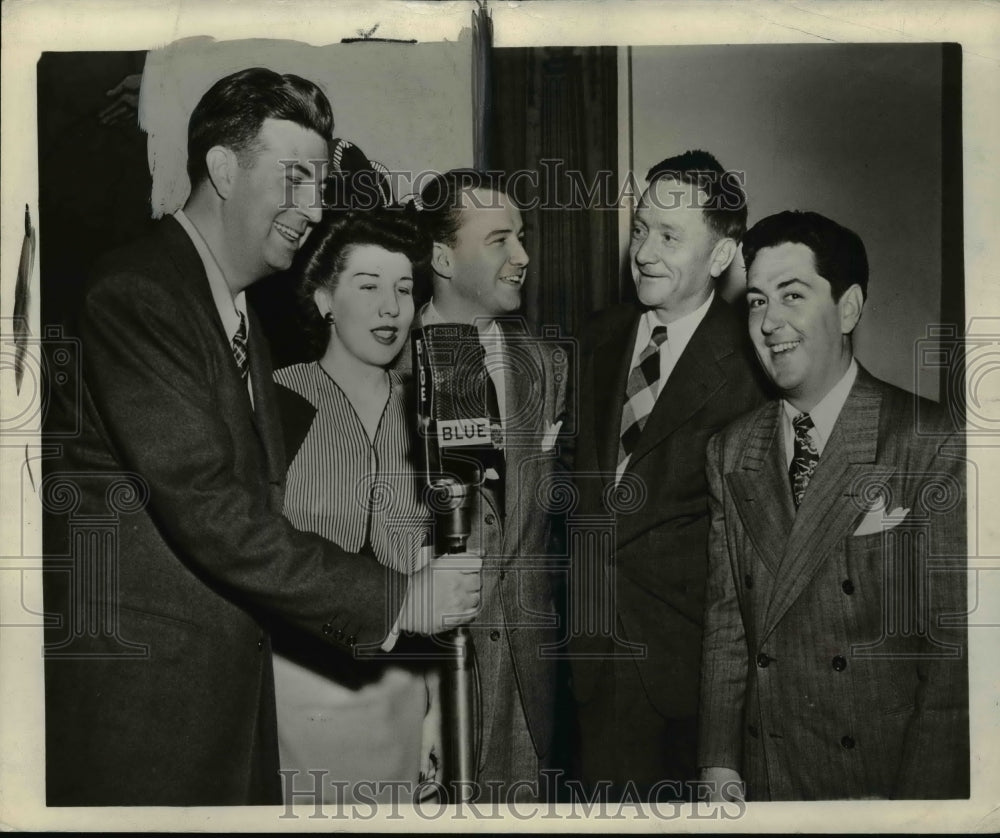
<point x="478" y="271"/>
<point x="165" y="546"/>
<point x="656" y="381"/>
<point x="834" y="657"/>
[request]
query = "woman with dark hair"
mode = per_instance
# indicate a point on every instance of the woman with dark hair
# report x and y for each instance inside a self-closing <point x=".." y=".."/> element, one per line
<point x="351" y="479"/>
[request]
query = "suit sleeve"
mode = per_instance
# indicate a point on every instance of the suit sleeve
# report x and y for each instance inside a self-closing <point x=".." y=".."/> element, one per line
<point x="149" y="373"/>
<point x="935" y="762"/>
<point x="724" y="656"/>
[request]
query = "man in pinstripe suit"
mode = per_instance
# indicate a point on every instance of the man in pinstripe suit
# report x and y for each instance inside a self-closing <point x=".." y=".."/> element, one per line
<point x="834" y="654"/>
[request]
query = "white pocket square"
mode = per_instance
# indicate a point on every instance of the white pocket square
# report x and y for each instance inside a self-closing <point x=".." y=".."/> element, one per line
<point x="550" y="435"/>
<point x="877" y="519"/>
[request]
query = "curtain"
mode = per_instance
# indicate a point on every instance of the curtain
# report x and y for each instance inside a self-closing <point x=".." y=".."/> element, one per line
<point x="555" y="114"/>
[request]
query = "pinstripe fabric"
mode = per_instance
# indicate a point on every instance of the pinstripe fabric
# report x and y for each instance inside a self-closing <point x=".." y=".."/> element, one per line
<point x="358" y="722"/>
<point x="350" y="489"/>
<point x="828" y="671"/>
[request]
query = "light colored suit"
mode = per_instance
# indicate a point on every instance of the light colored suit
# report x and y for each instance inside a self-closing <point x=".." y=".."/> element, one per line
<point x="835" y="663"/>
<point x="518" y="617"/>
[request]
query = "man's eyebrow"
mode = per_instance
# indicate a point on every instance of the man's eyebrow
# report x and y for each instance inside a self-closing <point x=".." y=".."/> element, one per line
<point x="501" y="231"/>
<point x="298" y="168"/>
<point x="753" y="289"/>
<point x="786" y="282"/>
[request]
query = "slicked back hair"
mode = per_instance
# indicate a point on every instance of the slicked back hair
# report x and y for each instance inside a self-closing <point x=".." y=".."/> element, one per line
<point x="233" y="109"/>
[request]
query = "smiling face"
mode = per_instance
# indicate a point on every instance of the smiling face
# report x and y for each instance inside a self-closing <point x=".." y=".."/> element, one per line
<point x="485" y="266"/>
<point x="273" y="202"/>
<point x="674" y="253"/>
<point x="801" y="335"/>
<point x="371" y="304"/>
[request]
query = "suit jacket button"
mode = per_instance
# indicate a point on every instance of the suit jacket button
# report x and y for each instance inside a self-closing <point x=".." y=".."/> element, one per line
<point x="494" y="635"/>
<point x="491" y="519"/>
<point x="327" y="628"/>
<point x="338" y="635"/>
<point x="847" y="586"/>
<point x="748" y="580"/>
<point x="260" y="643"/>
<point x="847" y="743"/>
<point x="351" y="641"/>
<point x="839" y="663"/>
<point x="763" y="660"/>
<point x="502" y="575"/>
<point x="752" y="730"/>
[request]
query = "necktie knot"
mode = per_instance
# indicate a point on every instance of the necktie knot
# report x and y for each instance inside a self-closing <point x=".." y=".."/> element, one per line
<point x="802" y="424"/>
<point x="658" y="336"/>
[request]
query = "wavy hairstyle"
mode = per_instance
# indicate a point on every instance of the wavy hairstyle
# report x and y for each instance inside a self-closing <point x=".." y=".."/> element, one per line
<point x="838" y="252"/>
<point x="325" y="253"/>
<point x="233" y="109"/>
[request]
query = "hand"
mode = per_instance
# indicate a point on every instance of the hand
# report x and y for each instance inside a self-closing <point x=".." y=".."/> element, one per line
<point x="125" y="106"/>
<point x="724" y="784"/>
<point x="443" y="594"/>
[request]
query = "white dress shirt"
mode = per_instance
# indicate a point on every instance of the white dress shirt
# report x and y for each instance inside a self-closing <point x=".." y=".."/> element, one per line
<point x="678" y="336"/>
<point x="229" y="307"/>
<point x="824" y="415"/>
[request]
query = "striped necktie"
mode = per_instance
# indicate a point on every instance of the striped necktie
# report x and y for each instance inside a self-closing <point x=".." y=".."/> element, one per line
<point x="240" y="348"/>
<point x="805" y="456"/>
<point x="640" y="394"/>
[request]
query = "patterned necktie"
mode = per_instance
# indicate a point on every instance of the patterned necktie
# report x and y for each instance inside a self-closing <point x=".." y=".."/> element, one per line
<point x="640" y="394"/>
<point x="804" y="456"/>
<point x="240" y="348"/>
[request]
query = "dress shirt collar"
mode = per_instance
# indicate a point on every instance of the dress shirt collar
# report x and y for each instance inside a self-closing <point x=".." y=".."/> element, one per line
<point x="430" y="316"/>
<point x="679" y="332"/>
<point x="228" y="306"/>
<point x="824" y="415"/>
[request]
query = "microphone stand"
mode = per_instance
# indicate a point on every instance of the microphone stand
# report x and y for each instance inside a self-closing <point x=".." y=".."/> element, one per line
<point x="458" y="699"/>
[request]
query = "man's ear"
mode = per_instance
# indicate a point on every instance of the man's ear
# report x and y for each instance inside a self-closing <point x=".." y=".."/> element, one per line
<point x="722" y="256"/>
<point x="221" y="163"/>
<point x="850" y="304"/>
<point x="441" y="260"/>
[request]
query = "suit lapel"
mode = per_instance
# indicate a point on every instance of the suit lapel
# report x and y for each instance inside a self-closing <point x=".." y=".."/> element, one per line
<point x="696" y="377"/>
<point x="265" y="412"/>
<point x="760" y="489"/>
<point x="612" y="362"/>
<point x="522" y="397"/>
<point x="829" y="508"/>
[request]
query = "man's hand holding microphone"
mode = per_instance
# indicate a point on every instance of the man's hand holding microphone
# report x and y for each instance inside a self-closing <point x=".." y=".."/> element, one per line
<point x="443" y="594"/>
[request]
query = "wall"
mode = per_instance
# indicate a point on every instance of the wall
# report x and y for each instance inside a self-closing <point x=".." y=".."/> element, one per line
<point x="408" y="106"/>
<point x="850" y="131"/>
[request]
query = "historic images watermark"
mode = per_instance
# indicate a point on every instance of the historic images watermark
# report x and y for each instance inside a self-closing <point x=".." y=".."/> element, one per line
<point x="333" y="799"/>
<point x="552" y="186"/>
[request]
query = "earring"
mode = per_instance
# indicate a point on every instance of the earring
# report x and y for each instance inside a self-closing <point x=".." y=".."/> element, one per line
<point x="328" y="317"/>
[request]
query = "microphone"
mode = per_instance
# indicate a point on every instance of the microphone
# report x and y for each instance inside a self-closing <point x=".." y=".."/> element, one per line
<point x="460" y="433"/>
